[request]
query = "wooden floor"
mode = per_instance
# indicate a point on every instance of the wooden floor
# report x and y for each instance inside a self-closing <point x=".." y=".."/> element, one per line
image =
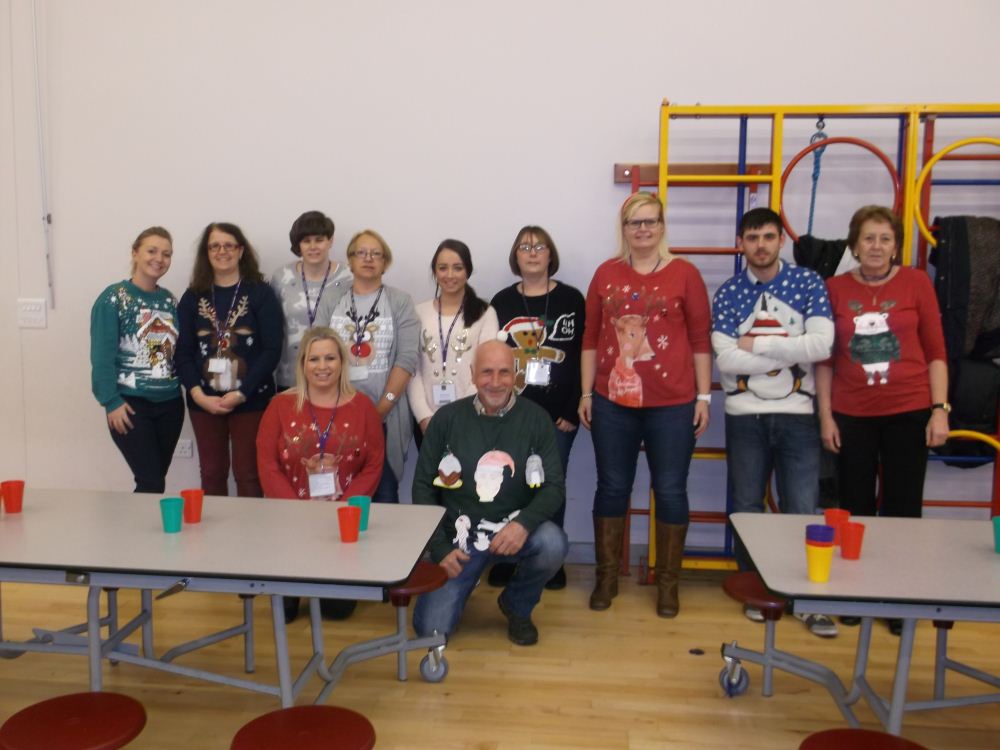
<point x="617" y="679"/>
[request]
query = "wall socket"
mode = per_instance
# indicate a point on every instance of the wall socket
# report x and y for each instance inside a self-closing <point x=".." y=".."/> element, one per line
<point x="184" y="449"/>
<point x="31" y="313"/>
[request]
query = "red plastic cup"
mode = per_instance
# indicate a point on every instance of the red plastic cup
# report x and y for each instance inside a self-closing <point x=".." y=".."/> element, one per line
<point x="349" y="517"/>
<point x="192" y="504"/>
<point x="13" y="495"/>
<point x="851" y="536"/>
<point x="836" y="517"/>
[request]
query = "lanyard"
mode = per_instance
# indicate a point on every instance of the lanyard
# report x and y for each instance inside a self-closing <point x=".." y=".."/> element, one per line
<point x="310" y="310"/>
<point x="545" y="315"/>
<point x="361" y="324"/>
<point x="220" y="326"/>
<point x="323" y="435"/>
<point x="445" y="340"/>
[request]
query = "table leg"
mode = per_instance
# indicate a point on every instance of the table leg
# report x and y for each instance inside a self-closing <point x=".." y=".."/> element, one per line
<point x="895" y="723"/>
<point x="146" y="597"/>
<point x="281" y="651"/>
<point x="860" y="661"/>
<point x="94" y="636"/>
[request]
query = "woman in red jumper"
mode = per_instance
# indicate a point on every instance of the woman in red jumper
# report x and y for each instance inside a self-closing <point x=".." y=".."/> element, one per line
<point x="646" y="375"/>
<point x="883" y="395"/>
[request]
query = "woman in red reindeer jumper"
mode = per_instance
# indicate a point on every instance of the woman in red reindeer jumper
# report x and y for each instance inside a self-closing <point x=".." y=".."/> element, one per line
<point x="646" y="372"/>
<point x="229" y="343"/>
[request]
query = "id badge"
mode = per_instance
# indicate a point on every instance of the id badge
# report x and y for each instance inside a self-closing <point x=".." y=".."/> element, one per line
<point x="324" y="486"/>
<point x="359" y="372"/>
<point x="444" y="393"/>
<point x="537" y="372"/>
<point x="217" y="365"/>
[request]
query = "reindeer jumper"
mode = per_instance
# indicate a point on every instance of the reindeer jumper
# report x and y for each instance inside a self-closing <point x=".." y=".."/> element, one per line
<point x="885" y="338"/>
<point x="645" y="330"/>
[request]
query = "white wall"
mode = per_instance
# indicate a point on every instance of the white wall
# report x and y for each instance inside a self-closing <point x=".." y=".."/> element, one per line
<point x="422" y="120"/>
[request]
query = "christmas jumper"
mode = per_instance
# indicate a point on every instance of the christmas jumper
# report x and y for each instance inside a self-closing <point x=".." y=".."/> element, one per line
<point x="288" y="448"/>
<point x="791" y="324"/>
<point x="885" y="337"/>
<point x="645" y="330"/>
<point x="287" y="285"/>
<point x="478" y="467"/>
<point x="461" y="345"/>
<point x="243" y="354"/>
<point x="554" y="336"/>
<point x="133" y="337"/>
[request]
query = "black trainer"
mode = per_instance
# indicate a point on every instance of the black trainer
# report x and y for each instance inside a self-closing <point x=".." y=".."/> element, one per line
<point x="291" y="605"/>
<point x="558" y="581"/>
<point x="500" y="574"/>
<point x="520" y="630"/>
<point x="337" y="609"/>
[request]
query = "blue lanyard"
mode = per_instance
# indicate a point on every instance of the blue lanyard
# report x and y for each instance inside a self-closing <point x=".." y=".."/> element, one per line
<point x="310" y="310"/>
<point x="324" y="435"/>
<point x="361" y="324"/>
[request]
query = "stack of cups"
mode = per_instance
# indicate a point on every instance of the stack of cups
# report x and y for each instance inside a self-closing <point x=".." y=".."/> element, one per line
<point x="819" y="552"/>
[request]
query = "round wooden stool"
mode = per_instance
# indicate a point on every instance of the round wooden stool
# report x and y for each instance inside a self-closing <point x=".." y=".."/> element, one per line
<point x="81" y="721"/>
<point x="426" y="576"/>
<point x="307" y="728"/>
<point x="856" y="739"/>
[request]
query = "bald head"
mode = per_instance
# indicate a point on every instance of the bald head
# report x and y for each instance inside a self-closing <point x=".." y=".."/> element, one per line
<point x="493" y="374"/>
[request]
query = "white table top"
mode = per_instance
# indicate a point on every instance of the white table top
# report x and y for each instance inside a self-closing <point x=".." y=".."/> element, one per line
<point x="237" y="538"/>
<point x="921" y="560"/>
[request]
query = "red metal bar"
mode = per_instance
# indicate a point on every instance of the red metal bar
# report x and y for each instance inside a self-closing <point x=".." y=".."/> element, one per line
<point x="971" y="157"/>
<point x="956" y="504"/>
<point x="692" y="250"/>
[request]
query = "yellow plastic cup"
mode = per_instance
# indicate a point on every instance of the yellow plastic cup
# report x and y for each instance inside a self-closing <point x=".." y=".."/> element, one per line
<point x="818" y="561"/>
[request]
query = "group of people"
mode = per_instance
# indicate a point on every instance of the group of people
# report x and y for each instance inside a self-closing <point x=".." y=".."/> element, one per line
<point x="311" y="386"/>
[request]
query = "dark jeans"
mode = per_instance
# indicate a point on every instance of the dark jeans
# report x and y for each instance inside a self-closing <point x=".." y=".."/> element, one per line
<point x="537" y="561"/>
<point x="149" y="446"/>
<point x="215" y="434"/>
<point x="668" y="435"/>
<point x="388" y="486"/>
<point x="756" y="445"/>
<point x="564" y="444"/>
<point x="898" y="443"/>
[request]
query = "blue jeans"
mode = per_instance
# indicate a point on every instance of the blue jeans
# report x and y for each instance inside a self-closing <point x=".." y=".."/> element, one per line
<point x="388" y="487"/>
<point x="668" y="435"/>
<point x="564" y="444"/>
<point x="537" y="561"/>
<point x="756" y="444"/>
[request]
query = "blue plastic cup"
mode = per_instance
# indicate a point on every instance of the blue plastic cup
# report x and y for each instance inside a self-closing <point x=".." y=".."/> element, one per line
<point x="172" y="511"/>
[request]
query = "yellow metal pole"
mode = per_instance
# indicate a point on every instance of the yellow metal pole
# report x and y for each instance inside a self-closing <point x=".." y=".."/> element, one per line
<point x="910" y="195"/>
<point x="664" y="163"/>
<point x="777" y="141"/>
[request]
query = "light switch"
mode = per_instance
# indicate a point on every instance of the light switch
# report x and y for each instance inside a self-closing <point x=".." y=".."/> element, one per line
<point x="31" y="313"/>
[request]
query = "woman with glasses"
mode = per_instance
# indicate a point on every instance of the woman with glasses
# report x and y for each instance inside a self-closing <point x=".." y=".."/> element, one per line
<point x="452" y="325"/>
<point x="646" y="375"/>
<point x="133" y="335"/>
<point x="380" y="327"/>
<point x="301" y="284"/>
<point x="542" y="320"/>
<point x="229" y="343"/>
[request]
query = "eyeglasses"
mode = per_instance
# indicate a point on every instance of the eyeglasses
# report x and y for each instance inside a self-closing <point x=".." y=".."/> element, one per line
<point x="216" y="247"/>
<point x="538" y="249"/>
<point x="368" y="254"/>
<point x="635" y="224"/>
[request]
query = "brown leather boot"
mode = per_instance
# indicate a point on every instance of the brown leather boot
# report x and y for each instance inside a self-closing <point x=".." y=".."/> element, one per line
<point x="608" y="549"/>
<point x="669" y="553"/>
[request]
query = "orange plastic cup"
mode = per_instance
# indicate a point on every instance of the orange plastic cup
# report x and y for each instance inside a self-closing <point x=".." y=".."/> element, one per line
<point x="349" y="517"/>
<point x="13" y="495"/>
<point x="851" y="536"/>
<point x="193" y="499"/>
<point x="836" y="518"/>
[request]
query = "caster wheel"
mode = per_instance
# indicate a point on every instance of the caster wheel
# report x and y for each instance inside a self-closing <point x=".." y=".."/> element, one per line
<point x="431" y="672"/>
<point x="736" y="683"/>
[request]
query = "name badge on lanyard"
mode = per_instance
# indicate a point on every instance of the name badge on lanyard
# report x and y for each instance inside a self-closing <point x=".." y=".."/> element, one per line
<point x="217" y="365"/>
<point x="323" y="481"/>
<point x="538" y="372"/>
<point x="358" y="372"/>
<point x="444" y="393"/>
<point x="324" y="485"/>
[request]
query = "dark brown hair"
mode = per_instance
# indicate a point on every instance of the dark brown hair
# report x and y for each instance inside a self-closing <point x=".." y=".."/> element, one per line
<point x="545" y="239"/>
<point x="202" y="277"/>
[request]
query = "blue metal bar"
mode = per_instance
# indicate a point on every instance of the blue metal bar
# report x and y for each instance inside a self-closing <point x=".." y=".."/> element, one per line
<point x="969" y="181"/>
<point x="741" y="168"/>
<point x="971" y="460"/>
<point x="901" y="147"/>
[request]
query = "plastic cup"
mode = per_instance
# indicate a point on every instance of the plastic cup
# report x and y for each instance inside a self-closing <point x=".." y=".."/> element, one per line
<point x="365" y="503"/>
<point x="851" y="536"/>
<point x="996" y="533"/>
<point x="818" y="562"/>
<point x="13" y="495"/>
<point x="172" y="510"/>
<point x="836" y="517"/>
<point x="818" y="532"/>
<point x="193" y="499"/>
<point x="349" y="517"/>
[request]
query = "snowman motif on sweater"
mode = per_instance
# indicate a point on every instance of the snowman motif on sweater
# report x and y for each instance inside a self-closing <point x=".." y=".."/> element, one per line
<point x="873" y="345"/>
<point x="775" y="384"/>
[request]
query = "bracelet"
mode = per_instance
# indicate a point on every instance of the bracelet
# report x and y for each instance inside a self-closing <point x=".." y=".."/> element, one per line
<point x="586" y="395"/>
<point x="706" y="397"/>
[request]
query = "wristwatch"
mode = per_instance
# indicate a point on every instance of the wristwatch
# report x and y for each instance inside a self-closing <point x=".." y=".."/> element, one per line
<point x="706" y="397"/>
<point x="943" y="405"/>
<point x="390" y="397"/>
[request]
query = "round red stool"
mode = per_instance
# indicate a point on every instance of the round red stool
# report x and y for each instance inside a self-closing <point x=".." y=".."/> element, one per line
<point x="426" y="576"/>
<point x="307" y="728"/>
<point x="748" y="588"/>
<point x="81" y="721"/>
<point x="856" y="739"/>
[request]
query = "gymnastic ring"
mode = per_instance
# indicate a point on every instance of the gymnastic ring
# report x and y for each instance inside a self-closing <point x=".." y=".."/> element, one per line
<point x="919" y="187"/>
<point x="972" y="434"/>
<point x="896" y="201"/>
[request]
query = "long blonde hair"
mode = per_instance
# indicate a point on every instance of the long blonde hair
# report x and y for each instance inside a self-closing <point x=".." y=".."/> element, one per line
<point x="320" y="333"/>
<point x="632" y="204"/>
